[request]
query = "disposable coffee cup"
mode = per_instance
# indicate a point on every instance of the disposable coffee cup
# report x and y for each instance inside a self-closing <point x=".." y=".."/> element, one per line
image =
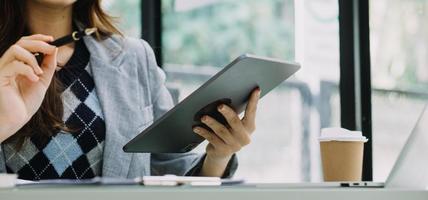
<point x="342" y="154"/>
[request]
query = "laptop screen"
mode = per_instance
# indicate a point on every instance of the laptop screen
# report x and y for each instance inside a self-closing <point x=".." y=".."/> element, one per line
<point x="411" y="168"/>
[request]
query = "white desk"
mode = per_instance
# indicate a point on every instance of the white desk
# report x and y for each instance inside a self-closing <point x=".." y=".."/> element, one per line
<point x="206" y="193"/>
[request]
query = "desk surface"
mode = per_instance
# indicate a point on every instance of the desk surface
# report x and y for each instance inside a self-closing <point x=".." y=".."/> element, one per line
<point x="189" y="193"/>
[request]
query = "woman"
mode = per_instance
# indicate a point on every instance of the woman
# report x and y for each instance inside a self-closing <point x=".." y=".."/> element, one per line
<point x="70" y="116"/>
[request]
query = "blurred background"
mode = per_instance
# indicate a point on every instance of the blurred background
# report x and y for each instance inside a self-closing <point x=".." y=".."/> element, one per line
<point x="199" y="37"/>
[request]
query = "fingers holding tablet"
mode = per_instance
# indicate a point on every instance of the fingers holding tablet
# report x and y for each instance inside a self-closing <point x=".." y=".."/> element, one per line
<point x="249" y="119"/>
<point x="228" y="139"/>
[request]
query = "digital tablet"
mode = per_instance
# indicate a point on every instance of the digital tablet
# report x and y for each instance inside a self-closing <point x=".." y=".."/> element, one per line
<point x="173" y="132"/>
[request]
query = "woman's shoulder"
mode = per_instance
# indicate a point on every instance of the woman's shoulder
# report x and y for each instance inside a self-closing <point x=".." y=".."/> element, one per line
<point x="115" y="45"/>
<point x="131" y="44"/>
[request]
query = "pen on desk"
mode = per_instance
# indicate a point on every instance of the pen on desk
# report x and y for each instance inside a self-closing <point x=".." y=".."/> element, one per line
<point x="75" y="36"/>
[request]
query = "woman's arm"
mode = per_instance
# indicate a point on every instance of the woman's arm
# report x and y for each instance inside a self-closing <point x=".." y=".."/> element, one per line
<point x="214" y="167"/>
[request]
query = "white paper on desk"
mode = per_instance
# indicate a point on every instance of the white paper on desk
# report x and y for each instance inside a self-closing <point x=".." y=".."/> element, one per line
<point x="167" y="180"/>
<point x="23" y="182"/>
<point x="173" y="180"/>
<point x="93" y="181"/>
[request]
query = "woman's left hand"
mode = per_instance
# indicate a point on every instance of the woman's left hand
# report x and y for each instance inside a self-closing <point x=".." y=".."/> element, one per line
<point x="225" y="141"/>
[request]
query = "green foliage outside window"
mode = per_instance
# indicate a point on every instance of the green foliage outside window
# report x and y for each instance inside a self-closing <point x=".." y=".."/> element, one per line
<point x="216" y="33"/>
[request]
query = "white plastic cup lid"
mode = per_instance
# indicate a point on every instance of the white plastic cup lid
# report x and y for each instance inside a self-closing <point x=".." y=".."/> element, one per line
<point x="341" y="134"/>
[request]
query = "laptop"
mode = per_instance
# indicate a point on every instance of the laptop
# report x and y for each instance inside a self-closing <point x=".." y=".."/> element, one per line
<point x="409" y="171"/>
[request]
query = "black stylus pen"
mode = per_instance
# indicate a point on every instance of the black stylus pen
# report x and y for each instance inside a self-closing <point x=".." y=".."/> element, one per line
<point x="75" y="36"/>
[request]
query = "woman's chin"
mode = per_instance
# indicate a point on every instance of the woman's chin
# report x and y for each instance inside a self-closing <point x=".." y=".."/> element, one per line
<point x="54" y="3"/>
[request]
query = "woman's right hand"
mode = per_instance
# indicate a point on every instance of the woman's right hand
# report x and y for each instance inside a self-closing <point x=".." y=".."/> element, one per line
<point x="23" y="83"/>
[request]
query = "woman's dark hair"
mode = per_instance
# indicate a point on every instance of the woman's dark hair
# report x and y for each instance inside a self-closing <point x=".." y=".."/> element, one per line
<point x="13" y="25"/>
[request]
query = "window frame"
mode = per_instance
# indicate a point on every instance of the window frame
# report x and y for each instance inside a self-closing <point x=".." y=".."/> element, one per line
<point x="355" y="74"/>
<point x="151" y="26"/>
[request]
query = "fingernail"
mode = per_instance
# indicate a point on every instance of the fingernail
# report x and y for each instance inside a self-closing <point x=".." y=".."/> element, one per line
<point x="196" y="130"/>
<point x="220" y="107"/>
<point x="204" y="118"/>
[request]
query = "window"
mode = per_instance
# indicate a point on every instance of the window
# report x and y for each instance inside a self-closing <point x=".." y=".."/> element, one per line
<point x="127" y="14"/>
<point x="399" y="57"/>
<point x="201" y="36"/>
